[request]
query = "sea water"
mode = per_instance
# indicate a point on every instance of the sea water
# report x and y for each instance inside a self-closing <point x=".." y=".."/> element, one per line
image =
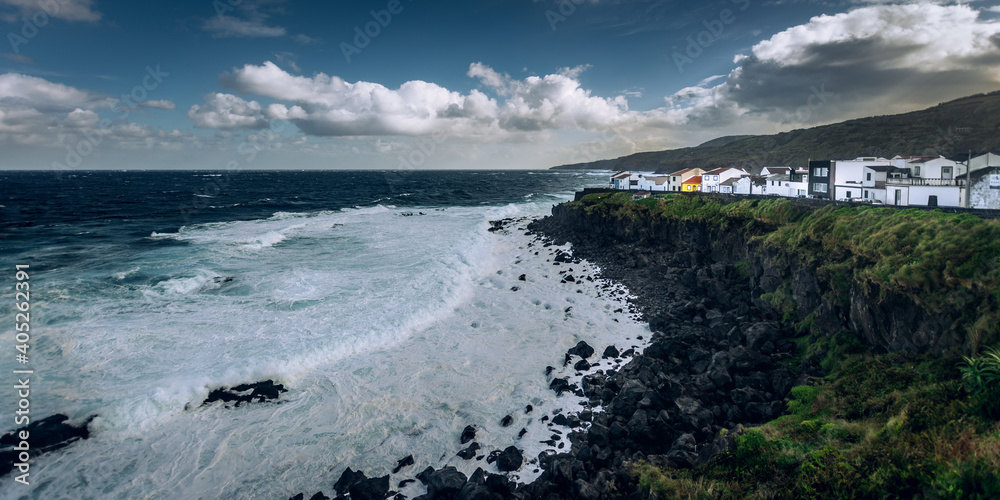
<point x="380" y="300"/>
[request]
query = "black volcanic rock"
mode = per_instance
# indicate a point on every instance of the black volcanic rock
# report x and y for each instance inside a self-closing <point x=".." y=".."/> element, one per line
<point x="470" y="452"/>
<point x="610" y="352"/>
<point x="444" y="483"/>
<point x="507" y="421"/>
<point x="347" y="479"/>
<point x="45" y="435"/>
<point x="405" y="462"/>
<point x="376" y="488"/>
<point x="468" y="434"/>
<point x="510" y="459"/>
<point x="582" y="349"/>
<point x="246" y="393"/>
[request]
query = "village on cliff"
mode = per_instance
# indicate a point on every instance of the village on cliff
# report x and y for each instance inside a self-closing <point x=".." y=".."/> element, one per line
<point x="915" y="181"/>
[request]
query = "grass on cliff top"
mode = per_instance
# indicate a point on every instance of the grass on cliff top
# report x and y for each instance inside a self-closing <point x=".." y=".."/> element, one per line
<point x="943" y="262"/>
<point x="876" y="427"/>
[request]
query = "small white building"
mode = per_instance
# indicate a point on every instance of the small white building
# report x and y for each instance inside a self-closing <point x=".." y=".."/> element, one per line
<point x="624" y="180"/>
<point x="713" y="179"/>
<point x="750" y="184"/>
<point x="654" y="183"/>
<point x="851" y="179"/>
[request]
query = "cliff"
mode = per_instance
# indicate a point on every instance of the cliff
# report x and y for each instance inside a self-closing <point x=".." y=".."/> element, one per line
<point x="834" y="330"/>
<point x="904" y="280"/>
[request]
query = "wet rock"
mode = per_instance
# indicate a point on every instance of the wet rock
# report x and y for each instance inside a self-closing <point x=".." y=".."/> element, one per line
<point x="246" y="393"/>
<point x="507" y="421"/>
<point x="582" y="349"/>
<point x="510" y="459"/>
<point x="347" y="479"/>
<point x="468" y="434"/>
<point x="45" y="435"/>
<point x="470" y="452"/>
<point x="444" y="483"/>
<point x="376" y="488"/>
<point x="405" y="462"/>
<point x="610" y="352"/>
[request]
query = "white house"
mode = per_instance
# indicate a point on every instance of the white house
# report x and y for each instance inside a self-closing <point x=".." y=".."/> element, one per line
<point x="654" y="182"/>
<point x="791" y="183"/>
<point x="624" y="180"/>
<point x="712" y="180"/>
<point x="851" y="179"/>
<point x="750" y="184"/>
<point x="926" y="181"/>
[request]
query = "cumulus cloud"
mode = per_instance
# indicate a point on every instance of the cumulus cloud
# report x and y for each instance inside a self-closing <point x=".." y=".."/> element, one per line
<point x="889" y="58"/>
<point x="35" y="111"/>
<point x="227" y="112"/>
<point x="67" y="10"/>
<point x="43" y="94"/>
<point x="326" y="105"/>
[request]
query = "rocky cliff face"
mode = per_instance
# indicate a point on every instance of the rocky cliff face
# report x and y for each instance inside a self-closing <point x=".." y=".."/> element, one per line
<point x="778" y="282"/>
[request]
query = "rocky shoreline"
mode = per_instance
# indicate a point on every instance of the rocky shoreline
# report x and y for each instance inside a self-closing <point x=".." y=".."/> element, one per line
<point x="717" y="360"/>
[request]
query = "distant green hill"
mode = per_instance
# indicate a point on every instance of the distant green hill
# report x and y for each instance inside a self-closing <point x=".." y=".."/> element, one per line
<point x="950" y="129"/>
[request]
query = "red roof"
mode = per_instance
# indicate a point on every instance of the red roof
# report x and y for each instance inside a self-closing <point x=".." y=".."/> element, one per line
<point x="693" y="180"/>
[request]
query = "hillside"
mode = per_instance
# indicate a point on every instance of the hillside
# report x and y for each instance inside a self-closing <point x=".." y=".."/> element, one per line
<point x="950" y="129"/>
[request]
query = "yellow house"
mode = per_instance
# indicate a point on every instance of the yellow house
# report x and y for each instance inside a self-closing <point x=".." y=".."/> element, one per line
<point x="692" y="184"/>
<point x="677" y="178"/>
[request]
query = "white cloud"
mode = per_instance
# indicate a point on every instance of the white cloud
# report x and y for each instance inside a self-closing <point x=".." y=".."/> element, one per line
<point x="158" y="104"/>
<point x="41" y="93"/>
<point x="35" y="111"/>
<point x="67" y="10"/>
<point x="878" y="59"/>
<point x="227" y="112"/>
<point x="329" y="106"/>
<point x="229" y="26"/>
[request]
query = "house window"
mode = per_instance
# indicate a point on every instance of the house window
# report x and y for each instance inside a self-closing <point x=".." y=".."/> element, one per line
<point x="819" y="187"/>
<point x="866" y="191"/>
<point x="848" y="194"/>
<point x="869" y="178"/>
<point x="946" y="172"/>
<point x="916" y="171"/>
<point x="821" y="172"/>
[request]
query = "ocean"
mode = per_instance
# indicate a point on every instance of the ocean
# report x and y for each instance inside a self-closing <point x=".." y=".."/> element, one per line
<point x="380" y="300"/>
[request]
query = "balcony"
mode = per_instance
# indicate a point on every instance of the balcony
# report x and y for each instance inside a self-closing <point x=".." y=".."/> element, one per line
<point x="919" y="181"/>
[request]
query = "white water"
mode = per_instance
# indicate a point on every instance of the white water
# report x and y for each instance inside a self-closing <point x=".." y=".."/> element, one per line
<point x="391" y="333"/>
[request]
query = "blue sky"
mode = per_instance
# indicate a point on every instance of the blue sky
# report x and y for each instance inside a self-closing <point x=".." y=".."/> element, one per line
<point x="208" y="84"/>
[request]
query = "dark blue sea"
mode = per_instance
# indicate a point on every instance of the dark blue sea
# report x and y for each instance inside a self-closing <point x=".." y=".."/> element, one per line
<point x="381" y="300"/>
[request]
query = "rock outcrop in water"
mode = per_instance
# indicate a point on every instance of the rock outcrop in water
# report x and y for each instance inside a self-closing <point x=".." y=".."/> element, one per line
<point x="246" y="393"/>
<point x="45" y="435"/>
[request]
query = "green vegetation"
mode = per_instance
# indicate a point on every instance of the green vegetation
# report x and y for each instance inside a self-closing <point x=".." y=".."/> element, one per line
<point x="876" y="425"/>
<point x="948" y="129"/>
<point x="943" y="262"/>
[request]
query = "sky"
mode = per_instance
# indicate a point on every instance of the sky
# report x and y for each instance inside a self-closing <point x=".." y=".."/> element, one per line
<point x="410" y="84"/>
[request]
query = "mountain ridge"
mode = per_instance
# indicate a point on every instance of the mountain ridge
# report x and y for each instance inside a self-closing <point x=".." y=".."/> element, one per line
<point x="951" y="129"/>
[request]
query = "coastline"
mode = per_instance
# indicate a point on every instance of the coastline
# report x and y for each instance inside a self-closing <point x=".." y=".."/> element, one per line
<point x="679" y="402"/>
